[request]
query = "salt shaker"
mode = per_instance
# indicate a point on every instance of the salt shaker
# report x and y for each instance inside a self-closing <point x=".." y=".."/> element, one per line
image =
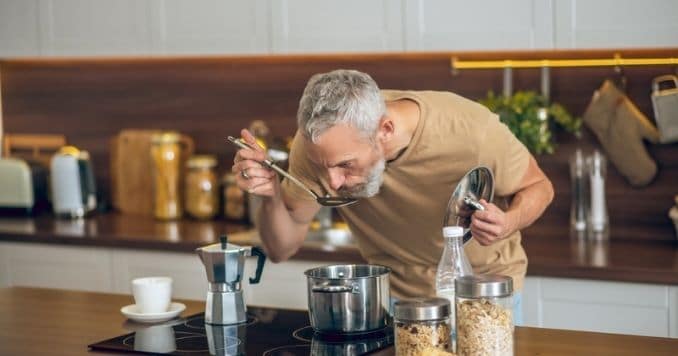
<point x="597" y="218"/>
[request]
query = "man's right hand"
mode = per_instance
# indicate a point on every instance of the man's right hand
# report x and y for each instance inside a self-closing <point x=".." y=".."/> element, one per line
<point x="251" y="175"/>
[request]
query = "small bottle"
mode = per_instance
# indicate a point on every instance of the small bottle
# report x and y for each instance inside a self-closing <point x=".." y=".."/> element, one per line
<point x="484" y="313"/>
<point x="201" y="190"/>
<point x="578" y="208"/>
<point x="422" y="326"/>
<point x="453" y="264"/>
<point x="597" y="218"/>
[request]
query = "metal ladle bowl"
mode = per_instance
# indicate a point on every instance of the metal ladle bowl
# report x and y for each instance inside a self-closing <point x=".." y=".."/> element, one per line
<point x="477" y="184"/>
<point x="324" y="201"/>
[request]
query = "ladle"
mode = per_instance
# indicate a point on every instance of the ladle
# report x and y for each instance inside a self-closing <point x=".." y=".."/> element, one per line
<point x="324" y="201"/>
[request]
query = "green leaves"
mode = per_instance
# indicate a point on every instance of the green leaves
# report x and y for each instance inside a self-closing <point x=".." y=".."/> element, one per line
<point x="529" y="116"/>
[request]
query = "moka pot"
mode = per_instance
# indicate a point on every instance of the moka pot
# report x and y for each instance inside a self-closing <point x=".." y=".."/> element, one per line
<point x="224" y="265"/>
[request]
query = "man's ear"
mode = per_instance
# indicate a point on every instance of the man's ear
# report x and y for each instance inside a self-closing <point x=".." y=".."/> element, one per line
<point x="386" y="129"/>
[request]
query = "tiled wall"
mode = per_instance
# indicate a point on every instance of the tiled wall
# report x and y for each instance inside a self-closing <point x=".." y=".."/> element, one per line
<point x="141" y="27"/>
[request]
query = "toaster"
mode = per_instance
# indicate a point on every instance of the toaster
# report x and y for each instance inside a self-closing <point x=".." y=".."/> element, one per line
<point x="23" y="187"/>
<point x="72" y="183"/>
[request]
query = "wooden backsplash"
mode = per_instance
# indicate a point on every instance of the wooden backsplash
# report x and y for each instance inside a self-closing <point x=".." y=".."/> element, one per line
<point x="208" y="98"/>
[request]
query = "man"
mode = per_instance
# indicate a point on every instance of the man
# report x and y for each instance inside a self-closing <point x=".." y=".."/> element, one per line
<point x="402" y="153"/>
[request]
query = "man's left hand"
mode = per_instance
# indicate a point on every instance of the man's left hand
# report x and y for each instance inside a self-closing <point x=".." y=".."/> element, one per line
<point x="490" y="225"/>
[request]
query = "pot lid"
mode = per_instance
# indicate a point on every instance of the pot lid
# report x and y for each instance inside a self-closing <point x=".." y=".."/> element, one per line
<point x="478" y="183"/>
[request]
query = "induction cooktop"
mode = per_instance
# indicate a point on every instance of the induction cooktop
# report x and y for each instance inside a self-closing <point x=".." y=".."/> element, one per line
<point x="266" y="332"/>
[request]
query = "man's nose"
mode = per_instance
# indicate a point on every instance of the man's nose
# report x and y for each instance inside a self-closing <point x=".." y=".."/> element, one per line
<point x="337" y="179"/>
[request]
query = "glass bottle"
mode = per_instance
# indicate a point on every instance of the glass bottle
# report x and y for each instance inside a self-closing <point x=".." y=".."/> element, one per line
<point x="453" y="264"/>
<point x="597" y="218"/>
<point x="201" y="190"/>
<point x="578" y="208"/>
<point x="166" y="154"/>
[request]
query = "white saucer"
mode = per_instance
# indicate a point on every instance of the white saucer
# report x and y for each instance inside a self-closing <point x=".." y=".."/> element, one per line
<point x="133" y="313"/>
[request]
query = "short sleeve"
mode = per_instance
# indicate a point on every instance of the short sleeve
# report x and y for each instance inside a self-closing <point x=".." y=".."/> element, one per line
<point x="301" y="168"/>
<point x="507" y="157"/>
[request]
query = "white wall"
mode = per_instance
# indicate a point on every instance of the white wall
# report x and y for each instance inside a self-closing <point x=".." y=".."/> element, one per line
<point x="157" y="27"/>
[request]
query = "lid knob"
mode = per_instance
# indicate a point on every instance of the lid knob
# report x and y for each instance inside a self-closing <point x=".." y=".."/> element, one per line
<point x="224" y="241"/>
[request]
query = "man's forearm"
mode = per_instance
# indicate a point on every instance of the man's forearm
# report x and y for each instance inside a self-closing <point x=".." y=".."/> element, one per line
<point x="529" y="204"/>
<point x="280" y="234"/>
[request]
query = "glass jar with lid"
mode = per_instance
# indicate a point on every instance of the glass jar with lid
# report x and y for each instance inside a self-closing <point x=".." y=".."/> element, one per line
<point x="484" y="313"/>
<point x="201" y="189"/>
<point x="422" y="325"/>
<point x="234" y="199"/>
<point x="166" y="154"/>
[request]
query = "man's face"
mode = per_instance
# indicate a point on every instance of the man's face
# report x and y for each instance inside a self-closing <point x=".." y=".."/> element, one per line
<point x="353" y="165"/>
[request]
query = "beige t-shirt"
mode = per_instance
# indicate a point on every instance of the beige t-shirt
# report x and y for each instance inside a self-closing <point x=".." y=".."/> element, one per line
<point x="401" y="227"/>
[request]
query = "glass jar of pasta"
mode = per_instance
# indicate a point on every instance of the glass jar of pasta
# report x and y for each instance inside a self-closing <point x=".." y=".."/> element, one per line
<point x="484" y="315"/>
<point x="201" y="191"/>
<point x="166" y="154"/>
<point x="422" y="326"/>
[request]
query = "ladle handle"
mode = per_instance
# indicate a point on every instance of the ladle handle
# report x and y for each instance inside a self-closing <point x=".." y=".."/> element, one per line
<point x="261" y="259"/>
<point x="268" y="163"/>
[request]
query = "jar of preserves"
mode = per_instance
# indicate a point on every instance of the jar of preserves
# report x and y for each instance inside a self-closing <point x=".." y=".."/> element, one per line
<point x="234" y="199"/>
<point x="201" y="191"/>
<point x="422" y="326"/>
<point x="166" y="154"/>
<point x="484" y="315"/>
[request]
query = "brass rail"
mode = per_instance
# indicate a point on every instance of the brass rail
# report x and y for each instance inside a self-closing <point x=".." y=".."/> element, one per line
<point x="617" y="61"/>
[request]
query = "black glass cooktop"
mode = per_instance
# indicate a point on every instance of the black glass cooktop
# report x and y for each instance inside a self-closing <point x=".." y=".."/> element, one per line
<point x="267" y="332"/>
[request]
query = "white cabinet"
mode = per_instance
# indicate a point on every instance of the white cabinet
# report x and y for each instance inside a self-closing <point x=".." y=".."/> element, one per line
<point x="282" y="285"/>
<point x="673" y="311"/>
<point x="560" y="303"/>
<point x="187" y="272"/>
<point x="600" y="306"/>
<point x="100" y="269"/>
<point x="83" y="27"/>
<point x="51" y="266"/>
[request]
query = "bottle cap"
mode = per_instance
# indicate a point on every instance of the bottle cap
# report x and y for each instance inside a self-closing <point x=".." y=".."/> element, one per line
<point x="453" y="231"/>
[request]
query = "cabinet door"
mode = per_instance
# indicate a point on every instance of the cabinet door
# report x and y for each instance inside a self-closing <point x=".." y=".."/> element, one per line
<point x="50" y="266"/>
<point x="613" y="307"/>
<point x="185" y="269"/>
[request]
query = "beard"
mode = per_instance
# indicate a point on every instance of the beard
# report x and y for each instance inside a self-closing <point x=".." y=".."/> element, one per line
<point x="370" y="188"/>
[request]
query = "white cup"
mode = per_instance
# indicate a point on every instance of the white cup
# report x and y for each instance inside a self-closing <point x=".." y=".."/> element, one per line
<point x="152" y="294"/>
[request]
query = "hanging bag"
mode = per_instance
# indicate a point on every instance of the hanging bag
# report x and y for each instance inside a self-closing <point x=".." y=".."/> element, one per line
<point x="665" y="105"/>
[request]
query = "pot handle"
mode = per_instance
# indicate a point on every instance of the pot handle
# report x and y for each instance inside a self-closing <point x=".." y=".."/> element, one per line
<point x="336" y="289"/>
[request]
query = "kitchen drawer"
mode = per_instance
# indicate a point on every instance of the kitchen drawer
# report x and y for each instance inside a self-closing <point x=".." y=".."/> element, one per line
<point x="605" y="317"/>
<point x="49" y="266"/>
<point x="602" y="292"/>
<point x="612" y="307"/>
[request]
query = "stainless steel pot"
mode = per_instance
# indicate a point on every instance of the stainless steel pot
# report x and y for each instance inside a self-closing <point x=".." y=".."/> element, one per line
<point x="348" y="298"/>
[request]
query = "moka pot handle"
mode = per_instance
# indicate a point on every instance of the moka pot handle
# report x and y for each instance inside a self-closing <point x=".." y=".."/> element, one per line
<point x="261" y="259"/>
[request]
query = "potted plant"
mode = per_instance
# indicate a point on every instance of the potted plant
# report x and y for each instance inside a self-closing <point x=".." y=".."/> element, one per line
<point x="531" y="118"/>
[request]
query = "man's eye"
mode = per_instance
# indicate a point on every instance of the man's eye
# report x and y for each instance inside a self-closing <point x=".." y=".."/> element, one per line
<point x="346" y="165"/>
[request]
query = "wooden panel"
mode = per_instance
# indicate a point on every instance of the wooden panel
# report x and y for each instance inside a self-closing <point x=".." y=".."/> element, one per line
<point x="90" y="100"/>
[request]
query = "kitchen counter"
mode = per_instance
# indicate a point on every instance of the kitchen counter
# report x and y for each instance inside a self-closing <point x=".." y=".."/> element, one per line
<point x="550" y="254"/>
<point x="59" y="322"/>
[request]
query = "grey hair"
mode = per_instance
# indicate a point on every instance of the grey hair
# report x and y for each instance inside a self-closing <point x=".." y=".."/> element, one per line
<point x="341" y="96"/>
